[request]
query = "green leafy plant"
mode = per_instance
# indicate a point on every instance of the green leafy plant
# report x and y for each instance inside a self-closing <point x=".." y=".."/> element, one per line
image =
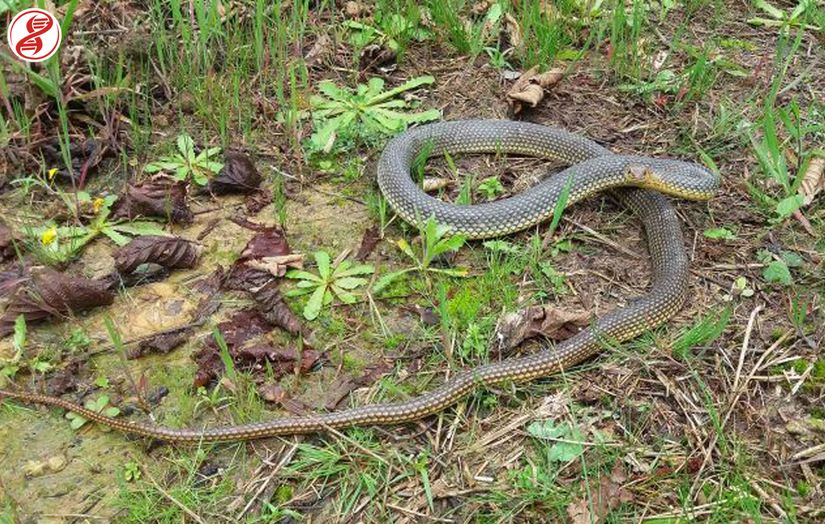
<point x="491" y="188"/>
<point x="777" y="270"/>
<point x="185" y="164"/>
<point x="101" y="405"/>
<point x="333" y="279"/>
<point x="435" y="241"/>
<point x="566" y="439"/>
<point x="719" y="233"/>
<point x="392" y="30"/>
<point x="54" y="244"/>
<point x="782" y="19"/>
<point x="131" y="472"/>
<point x="364" y="114"/>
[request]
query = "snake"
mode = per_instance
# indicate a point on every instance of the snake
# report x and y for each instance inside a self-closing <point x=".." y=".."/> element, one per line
<point x="639" y="183"/>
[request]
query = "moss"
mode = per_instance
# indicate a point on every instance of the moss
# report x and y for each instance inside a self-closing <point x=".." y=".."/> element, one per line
<point x="818" y="373"/>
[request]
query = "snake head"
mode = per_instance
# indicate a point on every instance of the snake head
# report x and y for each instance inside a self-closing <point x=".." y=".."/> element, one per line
<point x="638" y="173"/>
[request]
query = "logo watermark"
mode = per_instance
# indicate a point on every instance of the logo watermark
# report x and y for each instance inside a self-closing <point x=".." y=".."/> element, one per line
<point x="34" y="35"/>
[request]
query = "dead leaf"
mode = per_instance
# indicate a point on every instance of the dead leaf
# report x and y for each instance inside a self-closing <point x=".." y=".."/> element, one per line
<point x="238" y="175"/>
<point x="345" y="385"/>
<point x="538" y="321"/>
<point x="375" y="57"/>
<point x="529" y="88"/>
<point x="513" y="31"/>
<point x="371" y="237"/>
<point x="607" y="496"/>
<point x="240" y="328"/>
<point x="278" y="266"/>
<point x="278" y="395"/>
<point x="272" y="306"/>
<point x="169" y="252"/>
<point x="162" y="342"/>
<point x="269" y="242"/>
<point x="320" y="51"/>
<point x="47" y="293"/>
<point x="355" y="9"/>
<point x="258" y="200"/>
<point x="161" y="196"/>
<point x="813" y="181"/>
<point x="431" y="184"/>
<point x="6" y="242"/>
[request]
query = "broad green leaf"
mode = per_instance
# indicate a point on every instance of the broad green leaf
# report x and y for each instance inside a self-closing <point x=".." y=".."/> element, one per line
<point x="388" y="279"/>
<point x="76" y="421"/>
<point x="452" y="243"/>
<point x="345" y="296"/>
<point x="186" y="146"/>
<point x="787" y="206"/>
<point x="777" y="272"/>
<point x="117" y="238"/>
<point x="301" y="290"/>
<point x="362" y="269"/>
<point x="323" y="261"/>
<point x="19" y="340"/>
<point x="315" y="303"/>
<point x="181" y="173"/>
<point x="303" y="275"/>
<point x="719" y="233"/>
<point x="329" y="88"/>
<point x="154" y="167"/>
<point x="141" y="227"/>
<point x="406" y="86"/>
<point x="453" y="272"/>
<point x="350" y="282"/>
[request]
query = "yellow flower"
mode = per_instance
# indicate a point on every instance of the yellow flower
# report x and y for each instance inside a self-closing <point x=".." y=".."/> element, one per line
<point x="97" y="204"/>
<point x="51" y="173"/>
<point x="48" y="236"/>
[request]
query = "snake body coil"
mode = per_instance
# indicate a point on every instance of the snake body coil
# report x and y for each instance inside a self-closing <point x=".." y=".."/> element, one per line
<point x="593" y="168"/>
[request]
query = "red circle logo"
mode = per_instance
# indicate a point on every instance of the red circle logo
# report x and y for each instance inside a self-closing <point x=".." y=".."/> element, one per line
<point x="34" y="35"/>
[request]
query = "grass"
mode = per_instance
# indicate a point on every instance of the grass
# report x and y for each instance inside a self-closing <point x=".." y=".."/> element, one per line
<point x="236" y="76"/>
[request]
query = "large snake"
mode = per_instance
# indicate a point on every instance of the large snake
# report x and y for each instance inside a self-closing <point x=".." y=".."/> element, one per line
<point x="592" y="168"/>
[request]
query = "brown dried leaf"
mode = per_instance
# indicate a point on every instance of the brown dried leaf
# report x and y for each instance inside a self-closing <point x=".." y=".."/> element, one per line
<point x="607" y="496"/>
<point x="238" y="175"/>
<point x="48" y="294"/>
<point x="813" y="181"/>
<point x="343" y="386"/>
<point x="278" y="395"/>
<point x="258" y="200"/>
<point x="513" y="31"/>
<point x="242" y="327"/>
<point x="529" y="88"/>
<point x="435" y="183"/>
<point x="6" y="242"/>
<point x="320" y="52"/>
<point x="162" y="342"/>
<point x="269" y="242"/>
<point x="278" y="266"/>
<point x="368" y="242"/>
<point x="272" y="306"/>
<point x="161" y="196"/>
<point x="539" y="321"/>
<point x="169" y="252"/>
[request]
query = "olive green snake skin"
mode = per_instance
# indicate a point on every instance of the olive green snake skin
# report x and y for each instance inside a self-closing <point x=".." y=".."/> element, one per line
<point x="593" y="168"/>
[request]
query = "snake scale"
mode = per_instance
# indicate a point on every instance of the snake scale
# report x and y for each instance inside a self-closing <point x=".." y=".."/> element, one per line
<point x="638" y="182"/>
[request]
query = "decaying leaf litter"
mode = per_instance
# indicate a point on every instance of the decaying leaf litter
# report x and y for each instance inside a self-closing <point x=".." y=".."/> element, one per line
<point x="629" y="401"/>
